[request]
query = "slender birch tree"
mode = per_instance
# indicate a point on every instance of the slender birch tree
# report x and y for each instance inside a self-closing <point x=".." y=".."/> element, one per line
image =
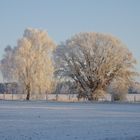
<point x="30" y="62"/>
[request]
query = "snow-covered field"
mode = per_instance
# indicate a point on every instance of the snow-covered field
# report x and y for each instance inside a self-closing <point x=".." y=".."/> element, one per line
<point x="40" y="120"/>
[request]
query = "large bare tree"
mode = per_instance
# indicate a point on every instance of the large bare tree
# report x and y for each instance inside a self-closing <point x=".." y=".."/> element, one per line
<point x="93" y="61"/>
<point x="30" y="63"/>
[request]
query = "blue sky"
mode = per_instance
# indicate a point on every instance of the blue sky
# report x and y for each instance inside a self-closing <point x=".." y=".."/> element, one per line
<point x="64" y="18"/>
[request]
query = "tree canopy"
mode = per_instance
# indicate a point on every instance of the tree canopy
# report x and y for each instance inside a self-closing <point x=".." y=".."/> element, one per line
<point x="93" y="61"/>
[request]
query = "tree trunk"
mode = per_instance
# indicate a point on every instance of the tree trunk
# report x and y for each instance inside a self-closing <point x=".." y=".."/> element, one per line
<point x="28" y="96"/>
<point x="28" y="92"/>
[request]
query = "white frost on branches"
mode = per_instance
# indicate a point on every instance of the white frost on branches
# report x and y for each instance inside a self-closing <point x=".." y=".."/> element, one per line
<point x="30" y="62"/>
<point x="93" y="61"/>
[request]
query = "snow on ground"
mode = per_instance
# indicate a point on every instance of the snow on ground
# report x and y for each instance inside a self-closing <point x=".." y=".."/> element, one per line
<point x="40" y="120"/>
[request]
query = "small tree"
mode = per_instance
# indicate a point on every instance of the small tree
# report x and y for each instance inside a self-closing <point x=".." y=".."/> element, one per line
<point x="93" y="61"/>
<point x="119" y="89"/>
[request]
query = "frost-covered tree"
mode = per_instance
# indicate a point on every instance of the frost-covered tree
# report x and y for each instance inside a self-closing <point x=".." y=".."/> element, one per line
<point x="6" y="63"/>
<point x="93" y="61"/>
<point x="30" y="63"/>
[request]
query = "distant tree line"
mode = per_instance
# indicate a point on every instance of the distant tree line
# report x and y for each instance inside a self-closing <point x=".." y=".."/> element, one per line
<point x="9" y="88"/>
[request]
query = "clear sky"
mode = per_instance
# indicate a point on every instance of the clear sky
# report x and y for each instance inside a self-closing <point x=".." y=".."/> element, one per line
<point x="64" y="18"/>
